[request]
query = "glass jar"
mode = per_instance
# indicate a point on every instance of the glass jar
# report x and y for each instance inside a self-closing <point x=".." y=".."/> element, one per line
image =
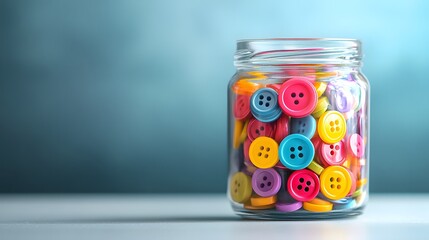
<point x="298" y="129"/>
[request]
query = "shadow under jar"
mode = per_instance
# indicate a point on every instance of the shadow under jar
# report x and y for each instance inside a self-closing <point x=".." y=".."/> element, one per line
<point x="298" y="129"/>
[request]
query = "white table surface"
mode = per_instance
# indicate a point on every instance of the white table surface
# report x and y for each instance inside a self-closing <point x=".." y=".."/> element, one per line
<point x="153" y="217"/>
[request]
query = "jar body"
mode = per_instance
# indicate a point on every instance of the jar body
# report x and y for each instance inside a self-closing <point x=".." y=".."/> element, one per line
<point x="298" y="141"/>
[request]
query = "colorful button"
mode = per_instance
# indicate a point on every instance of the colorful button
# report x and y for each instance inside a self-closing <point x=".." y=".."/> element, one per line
<point x="257" y="129"/>
<point x="305" y="126"/>
<point x="242" y="107"/>
<point x="331" y="127"/>
<point x="282" y="128"/>
<point x="240" y="187"/>
<point x="340" y="96"/>
<point x="257" y="201"/>
<point x="332" y="154"/>
<point x="263" y="152"/>
<point x="356" y="145"/>
<point x="296" y="152"/>
<point x="244" y="87"/>
<point x="315" y="167"/>
<point x="288" y="207"/>
<point x="320" y="88"/>
<point x="347" y="203"/>
<point x="317" y="205"/>
<point x="266" y="182"/>
<point x="303" y="185"/>
<point x="335" y="182"/>
<point x="264" y="105"/>
<point x="238" y="129"/>
<point x="297" y="97"/>
<point x="321" y="107"/>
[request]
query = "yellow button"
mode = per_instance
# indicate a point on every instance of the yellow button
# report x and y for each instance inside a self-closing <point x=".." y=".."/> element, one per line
<point x="243" y="87"/>
<point x="331" y="127"/>
<point x="317" y="205"/>
<point x="263" y="152"/>
<point x="315" y="167"/>
<point x="240" y="187"/>
<point x="320" y="88"/>
<point x="335" y="182"/>
<point x="321" y="107"/>
<point x="243" y="134"/>
<point x="257" y="201"/>
<point x="238" y="129"/>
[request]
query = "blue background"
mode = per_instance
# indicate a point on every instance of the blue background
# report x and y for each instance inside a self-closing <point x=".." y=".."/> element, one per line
<point x="130" y="96"/>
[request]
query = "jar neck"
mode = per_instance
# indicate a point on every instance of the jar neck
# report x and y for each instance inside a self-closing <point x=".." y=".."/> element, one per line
<point x="291" y="53"/>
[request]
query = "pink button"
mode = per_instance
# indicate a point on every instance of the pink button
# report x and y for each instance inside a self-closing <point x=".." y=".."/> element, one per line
<point x="356" y="145"/>
<point x="298" y="97"/>
<point x="282" y="128"/>
<point x="257" y="129"/>
<point x="332" y="154"/>
<point x="242" y="107"/>
<point x="303" y="185"/>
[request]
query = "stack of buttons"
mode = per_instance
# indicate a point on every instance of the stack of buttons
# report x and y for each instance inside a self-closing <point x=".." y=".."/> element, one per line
<point x="302" y="144"/>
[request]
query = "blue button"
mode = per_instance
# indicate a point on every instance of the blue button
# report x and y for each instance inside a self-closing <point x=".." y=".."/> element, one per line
<point x="264" y="105"/>
<point x="345" y="203"/>
<point x="305" y="126"/>
<point x="296" y="152"/>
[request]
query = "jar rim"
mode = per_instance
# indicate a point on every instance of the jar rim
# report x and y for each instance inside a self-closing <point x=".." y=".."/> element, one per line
<point x="280" y="51"/>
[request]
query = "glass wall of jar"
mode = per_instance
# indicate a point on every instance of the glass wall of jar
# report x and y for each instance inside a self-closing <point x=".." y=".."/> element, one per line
<point x="298" y="129"/>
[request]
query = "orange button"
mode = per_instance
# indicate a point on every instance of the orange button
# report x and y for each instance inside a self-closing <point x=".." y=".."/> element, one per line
<point x="257" y="201"/>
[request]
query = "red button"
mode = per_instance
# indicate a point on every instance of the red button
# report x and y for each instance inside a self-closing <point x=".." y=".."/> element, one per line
<point x="303" y="185"/>
<point x="257" y="129"/>
<point x="242" y="107"/>
<point x="298" y="97"/>
<point x="282" y="128"/>
<point x="332" y="154"/>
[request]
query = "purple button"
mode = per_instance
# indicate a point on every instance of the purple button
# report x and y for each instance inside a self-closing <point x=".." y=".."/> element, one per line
<point x="340" y="96"/>
<point x="266" y="182"/>
<point x="288" y="207"/>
